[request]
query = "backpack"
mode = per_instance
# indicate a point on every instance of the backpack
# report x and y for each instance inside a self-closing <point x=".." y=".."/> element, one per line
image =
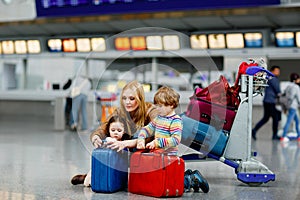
<point x="285" y="99"/>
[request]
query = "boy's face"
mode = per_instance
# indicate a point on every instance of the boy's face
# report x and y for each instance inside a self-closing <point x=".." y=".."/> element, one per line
<point x="116" y="130"/>
<point x="165" y="110"/>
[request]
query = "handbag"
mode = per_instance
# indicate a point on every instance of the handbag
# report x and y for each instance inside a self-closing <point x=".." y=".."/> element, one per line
<point x="76" y="90"/>
<point x="221" y="93"/>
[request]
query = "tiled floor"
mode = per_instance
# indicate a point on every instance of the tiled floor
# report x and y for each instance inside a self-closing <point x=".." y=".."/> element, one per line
<point x="38" y="163"/>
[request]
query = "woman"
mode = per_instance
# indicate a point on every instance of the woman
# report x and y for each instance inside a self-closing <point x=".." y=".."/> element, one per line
<point x="137" y="113"/>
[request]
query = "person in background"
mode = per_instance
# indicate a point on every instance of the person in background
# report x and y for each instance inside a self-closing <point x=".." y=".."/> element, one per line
<point x="292" y="93"/>
<point x="269" y="104"/>
<point x="79" y="102"/>
<point x="68" y="106"/>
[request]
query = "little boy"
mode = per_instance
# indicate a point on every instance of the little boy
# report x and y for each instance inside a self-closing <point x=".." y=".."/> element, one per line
<point x="167" y="130"/>
<point x="167" y="127"/>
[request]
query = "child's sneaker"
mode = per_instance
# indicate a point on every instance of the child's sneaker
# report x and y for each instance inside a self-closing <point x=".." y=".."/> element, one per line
<point x="187" y="180"/>
<point x="284" y="139"/>
<point x="198" y="181"/>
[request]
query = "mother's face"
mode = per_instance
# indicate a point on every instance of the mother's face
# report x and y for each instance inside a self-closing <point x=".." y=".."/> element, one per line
<point x="129" y="100"/>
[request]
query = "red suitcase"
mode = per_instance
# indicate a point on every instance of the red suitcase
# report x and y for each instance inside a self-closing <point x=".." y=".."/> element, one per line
<point x="156" y="174"/>
<point x="218" y="116"/>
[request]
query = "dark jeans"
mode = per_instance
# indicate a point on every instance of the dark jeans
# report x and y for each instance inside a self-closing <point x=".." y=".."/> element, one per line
<point x="68" y="110"/>
<point x="269" y="111"/>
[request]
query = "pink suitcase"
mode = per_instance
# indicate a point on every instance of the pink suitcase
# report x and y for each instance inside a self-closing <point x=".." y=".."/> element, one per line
<point x="218" y="116"/>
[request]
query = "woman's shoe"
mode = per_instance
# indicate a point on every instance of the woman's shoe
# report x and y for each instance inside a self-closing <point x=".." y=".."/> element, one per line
<point x="78" y="179"/>
<point x="198" y="181"/>
<point x="73" y="127"/>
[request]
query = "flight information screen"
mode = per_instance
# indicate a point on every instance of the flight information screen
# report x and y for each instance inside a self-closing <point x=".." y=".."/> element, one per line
<point x="55" y="8"/>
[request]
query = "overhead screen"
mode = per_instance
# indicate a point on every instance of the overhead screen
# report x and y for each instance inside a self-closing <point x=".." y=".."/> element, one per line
<point x="101" y="7"/>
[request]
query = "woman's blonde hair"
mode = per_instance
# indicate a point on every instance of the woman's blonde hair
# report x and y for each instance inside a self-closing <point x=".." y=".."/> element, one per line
<point x="166" y="96"/>
<point x="137" y="116"/>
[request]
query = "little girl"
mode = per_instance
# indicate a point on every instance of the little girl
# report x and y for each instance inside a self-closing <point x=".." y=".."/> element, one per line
<point x="116" y="130"/>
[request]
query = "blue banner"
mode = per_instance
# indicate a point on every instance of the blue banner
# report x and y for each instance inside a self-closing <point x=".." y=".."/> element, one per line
<point x="56" y="8"/>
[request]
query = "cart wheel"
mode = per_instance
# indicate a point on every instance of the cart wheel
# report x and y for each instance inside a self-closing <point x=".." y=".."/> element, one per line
<point x="256" y="184"/>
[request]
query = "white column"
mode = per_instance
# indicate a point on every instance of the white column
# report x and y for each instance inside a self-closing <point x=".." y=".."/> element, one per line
<point x="154" y="74"/>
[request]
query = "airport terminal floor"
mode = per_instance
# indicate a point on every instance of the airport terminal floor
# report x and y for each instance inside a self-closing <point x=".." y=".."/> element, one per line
<point x="38" y="163"/>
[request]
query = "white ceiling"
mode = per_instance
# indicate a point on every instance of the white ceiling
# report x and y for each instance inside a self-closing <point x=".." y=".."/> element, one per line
<point x="230" y="19"/>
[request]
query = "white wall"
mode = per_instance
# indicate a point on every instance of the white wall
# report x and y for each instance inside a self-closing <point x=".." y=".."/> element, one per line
<point x="53" y="70"/>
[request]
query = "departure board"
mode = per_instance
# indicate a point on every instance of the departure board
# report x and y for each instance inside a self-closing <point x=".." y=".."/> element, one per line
<point x="55" y="8"/>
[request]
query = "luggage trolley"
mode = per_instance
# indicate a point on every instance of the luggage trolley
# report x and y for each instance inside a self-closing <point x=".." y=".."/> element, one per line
<point x="107" y="102"/>
<point x="237" y="152"/>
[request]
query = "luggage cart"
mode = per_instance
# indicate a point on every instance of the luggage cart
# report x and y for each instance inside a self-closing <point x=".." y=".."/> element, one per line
<point x="107" y="102"/>
<point x="238" y="153"/>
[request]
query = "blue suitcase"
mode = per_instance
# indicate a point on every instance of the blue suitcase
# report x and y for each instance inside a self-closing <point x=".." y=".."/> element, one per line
<point x="109" y="170"/>
<point x="207" y="137"/>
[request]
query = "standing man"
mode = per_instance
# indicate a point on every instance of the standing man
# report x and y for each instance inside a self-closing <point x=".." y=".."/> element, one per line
<point x="269" y="103"/>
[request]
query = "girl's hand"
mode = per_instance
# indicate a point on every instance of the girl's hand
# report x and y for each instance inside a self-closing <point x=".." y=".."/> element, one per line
<point x="118" y="145"/>
<point x="150" y="145"/>
<point x="96" y="141"/>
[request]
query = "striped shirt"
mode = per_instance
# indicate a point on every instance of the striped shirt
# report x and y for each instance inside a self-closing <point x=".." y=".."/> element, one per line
<point x="167" y="132"/>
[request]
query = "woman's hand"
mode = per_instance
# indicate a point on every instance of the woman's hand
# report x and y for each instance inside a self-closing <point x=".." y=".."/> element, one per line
<point x="118" y="145"/>
<point x="140" y="144"/>
<point x="96" y="141"/>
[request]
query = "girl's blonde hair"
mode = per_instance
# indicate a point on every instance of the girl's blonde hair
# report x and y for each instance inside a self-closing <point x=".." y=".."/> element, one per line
<point x="137" y="116"/>
<point x="166" y="96"/>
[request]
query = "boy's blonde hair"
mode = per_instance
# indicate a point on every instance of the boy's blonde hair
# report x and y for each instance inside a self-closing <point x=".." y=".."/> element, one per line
<point x="166" y="96"/>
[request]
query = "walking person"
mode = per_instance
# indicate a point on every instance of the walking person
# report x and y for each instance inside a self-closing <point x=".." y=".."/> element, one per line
<point x="269" y="104"/>
<point x="292" y="93"/>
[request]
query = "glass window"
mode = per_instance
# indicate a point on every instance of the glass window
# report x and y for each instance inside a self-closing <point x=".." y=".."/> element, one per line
<point x="199" y="41"/>
<point x="171" y="42"/>
<point x="20" y="46"/>
<point x="253" y="39"/>
<point x="138" y="43"/>
<point x="83" y="45"/>
<point x="122" y="43"/>
<point x="235" y="40"/>
<point x="34" y="46"/>
<point x="154" y="43"/>
<point x="216" y="41"/>
<point x="69" y="45"/>
<point x="285" y="39"/>
<point x="8" y="47"/>
<point x="98" y="44"/>
<point x="55" y="45"/>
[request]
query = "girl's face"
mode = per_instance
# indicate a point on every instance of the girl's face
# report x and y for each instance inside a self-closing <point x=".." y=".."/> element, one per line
<point x="129" y="100"/>
<point x="165" y="110"/>
<point x="116" y="130"/>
